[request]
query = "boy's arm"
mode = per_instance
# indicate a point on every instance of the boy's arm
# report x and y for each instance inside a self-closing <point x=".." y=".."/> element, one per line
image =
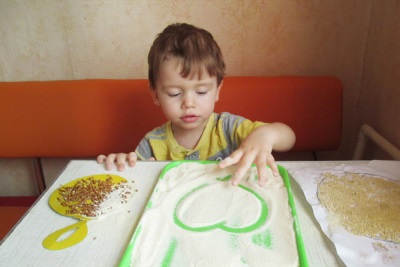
<point x="257" y="149"/>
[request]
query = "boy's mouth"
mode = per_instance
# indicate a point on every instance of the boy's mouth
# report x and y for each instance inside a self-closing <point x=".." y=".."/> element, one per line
<point x="189" y="118"/>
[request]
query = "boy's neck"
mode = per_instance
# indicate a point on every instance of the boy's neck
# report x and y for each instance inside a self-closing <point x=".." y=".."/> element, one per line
<point x="188" y="138"/>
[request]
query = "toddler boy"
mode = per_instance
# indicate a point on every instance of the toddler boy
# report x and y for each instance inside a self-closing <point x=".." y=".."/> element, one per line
<point x="186" y="70"/>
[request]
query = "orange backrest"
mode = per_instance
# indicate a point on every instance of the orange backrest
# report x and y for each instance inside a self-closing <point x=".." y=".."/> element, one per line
<point x="311" y="106"/>
<point x="76" y="118"/>
<point x="84" y="118"/>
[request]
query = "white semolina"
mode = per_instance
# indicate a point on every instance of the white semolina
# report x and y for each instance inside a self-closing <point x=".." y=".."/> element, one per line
<point x="197" y="218"/>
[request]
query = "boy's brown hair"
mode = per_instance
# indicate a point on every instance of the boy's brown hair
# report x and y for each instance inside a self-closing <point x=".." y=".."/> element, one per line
<point x="195" y="48"/>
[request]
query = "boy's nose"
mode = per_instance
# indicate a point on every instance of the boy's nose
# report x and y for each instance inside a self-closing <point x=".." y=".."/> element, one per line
<point x="188" y="102"/>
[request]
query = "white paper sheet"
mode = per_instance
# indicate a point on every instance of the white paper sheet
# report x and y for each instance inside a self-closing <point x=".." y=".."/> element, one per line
<point x="353" y="250"/>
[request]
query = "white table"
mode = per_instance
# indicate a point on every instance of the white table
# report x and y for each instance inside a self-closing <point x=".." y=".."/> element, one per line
<point x="109" y="236"/>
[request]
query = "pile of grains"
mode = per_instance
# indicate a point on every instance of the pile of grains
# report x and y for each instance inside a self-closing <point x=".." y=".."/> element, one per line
<point x="86" y="195"/>
<point x="364" y="205"/>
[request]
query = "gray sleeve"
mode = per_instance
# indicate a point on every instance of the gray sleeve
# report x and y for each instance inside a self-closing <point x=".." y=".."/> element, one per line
<point x="143" y="150"/>
<point x="230" y="123"/>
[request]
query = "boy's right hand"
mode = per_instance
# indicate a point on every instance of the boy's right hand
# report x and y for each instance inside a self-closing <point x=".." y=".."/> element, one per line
<point x="119" y="159"/>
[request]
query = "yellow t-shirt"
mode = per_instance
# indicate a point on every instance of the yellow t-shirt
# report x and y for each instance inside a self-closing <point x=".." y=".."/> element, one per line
<point x="223" y="134"/>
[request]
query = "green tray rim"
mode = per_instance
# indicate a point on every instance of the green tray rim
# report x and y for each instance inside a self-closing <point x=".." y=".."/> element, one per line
<point x="127" y="256"/>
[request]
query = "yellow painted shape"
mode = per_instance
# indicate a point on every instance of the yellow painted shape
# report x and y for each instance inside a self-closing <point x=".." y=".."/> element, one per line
<point x="51" y="242"/>
<point x="80" y="228"/>
<point x="56" y="205"/>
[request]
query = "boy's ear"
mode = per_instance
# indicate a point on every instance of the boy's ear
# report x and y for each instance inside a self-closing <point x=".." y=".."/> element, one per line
<point x="218" y="91"/>
<point x="154" y="95"/>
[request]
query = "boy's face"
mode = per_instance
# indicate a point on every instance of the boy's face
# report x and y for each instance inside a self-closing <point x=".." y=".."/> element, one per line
<point x="186" y="102"/>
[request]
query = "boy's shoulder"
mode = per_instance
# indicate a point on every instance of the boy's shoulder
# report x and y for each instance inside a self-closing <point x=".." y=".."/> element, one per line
<point x="158" y="132"/>
<point x="226" y="116"/>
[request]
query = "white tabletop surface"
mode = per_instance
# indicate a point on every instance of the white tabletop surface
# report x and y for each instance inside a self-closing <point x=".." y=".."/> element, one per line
<point x="109" y="236"/>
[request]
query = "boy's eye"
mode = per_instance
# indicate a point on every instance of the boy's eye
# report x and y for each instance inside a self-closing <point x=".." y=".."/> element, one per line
<point x="174" y="95"/>
<point x="202" y="93"/>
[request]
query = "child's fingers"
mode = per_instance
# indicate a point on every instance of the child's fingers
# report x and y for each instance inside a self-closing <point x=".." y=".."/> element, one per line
<point x="120" y="160"/>
<point x="272" y="164"/>
<point x="262" y="173"/>
<point x="110" y="161"/>
<point x="101" y="158"/>
<point x="132" y="158"/>
<point x="239" y="174"/>
<point x="232" y="159"/>
<point x="243" y="166"/>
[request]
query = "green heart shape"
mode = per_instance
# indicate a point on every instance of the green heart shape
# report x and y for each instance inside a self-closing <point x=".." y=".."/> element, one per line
<point x="222" y="225"/>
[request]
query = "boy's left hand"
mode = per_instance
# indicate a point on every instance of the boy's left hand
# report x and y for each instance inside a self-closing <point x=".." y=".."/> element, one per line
<point x="245" y="156"/>
<point x="257" y="149"/>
